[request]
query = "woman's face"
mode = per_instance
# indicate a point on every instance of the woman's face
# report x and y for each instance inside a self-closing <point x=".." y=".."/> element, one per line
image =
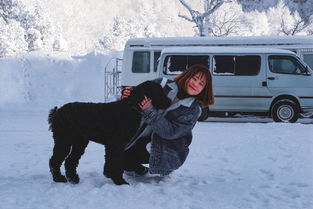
<point x="196" y="84"/>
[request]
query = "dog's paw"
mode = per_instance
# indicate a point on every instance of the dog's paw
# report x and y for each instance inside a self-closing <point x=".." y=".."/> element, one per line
<point x="74" y="179"/>
<point x="59" y="179"/>
<point x="106" y="174"/>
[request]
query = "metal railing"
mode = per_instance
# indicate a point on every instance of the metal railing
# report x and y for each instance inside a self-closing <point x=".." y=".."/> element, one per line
<point x="112" y="79"/>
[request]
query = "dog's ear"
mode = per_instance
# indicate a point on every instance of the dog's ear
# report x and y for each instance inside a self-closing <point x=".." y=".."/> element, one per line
<point x="152" y="90"/>
<point x="158" y="98"/>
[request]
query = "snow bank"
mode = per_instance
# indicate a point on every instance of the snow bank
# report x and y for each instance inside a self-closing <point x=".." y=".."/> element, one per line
<point x="45" y="79"/>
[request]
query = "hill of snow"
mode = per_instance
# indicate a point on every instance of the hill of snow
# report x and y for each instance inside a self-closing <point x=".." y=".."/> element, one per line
<point x="45" y="78"/>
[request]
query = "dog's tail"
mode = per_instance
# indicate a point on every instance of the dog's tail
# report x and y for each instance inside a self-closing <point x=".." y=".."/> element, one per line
<point x="51" y="117"/>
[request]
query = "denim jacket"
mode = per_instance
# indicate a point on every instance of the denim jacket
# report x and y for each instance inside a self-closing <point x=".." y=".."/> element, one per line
<point x="171" y="131"/>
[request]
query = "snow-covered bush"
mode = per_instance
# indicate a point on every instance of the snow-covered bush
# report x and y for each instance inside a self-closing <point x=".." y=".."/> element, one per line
<point x="27" y="24"/>
<point x="11" y="38"/>
<point x="123" y="29"/>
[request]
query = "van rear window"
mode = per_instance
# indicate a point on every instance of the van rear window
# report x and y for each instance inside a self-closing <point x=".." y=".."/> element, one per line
<point x="174" y="64"/>
<point x="141" y="62"/>
<point x="248" y="65"/>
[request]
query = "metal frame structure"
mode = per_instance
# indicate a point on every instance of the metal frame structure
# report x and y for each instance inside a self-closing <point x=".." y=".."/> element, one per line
<point x="112" y="79"/>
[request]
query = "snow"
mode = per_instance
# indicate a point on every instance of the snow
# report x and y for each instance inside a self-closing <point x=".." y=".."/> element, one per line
<point x="45" y="78"/>
<point x="244" y="164"/>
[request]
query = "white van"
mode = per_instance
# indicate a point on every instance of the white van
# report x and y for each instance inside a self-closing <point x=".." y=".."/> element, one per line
<point x="146" y="51"/>
<point x="254" y="80"/>
<point x="258" y="80"/>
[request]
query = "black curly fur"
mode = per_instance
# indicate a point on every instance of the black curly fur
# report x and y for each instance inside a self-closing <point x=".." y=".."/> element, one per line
<point x="50" y="117"/>
<point x="111" y="124"/>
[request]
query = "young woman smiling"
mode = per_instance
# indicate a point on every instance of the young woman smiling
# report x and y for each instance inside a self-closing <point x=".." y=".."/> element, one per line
<point x="170" y="130"/>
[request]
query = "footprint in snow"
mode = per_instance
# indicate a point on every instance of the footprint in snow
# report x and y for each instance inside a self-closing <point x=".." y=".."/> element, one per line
<point x="269" y="175"/>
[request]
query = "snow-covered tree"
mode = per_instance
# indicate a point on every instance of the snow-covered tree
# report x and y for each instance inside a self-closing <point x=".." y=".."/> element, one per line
<point x="303" y="7"/>
<point x="123" y="29"/>
<point x="297" y="21"/>
<point x="120" y="31"/>
<point x="283" y="21"/>
<point x="276" y="18"/>
<point x="257" y="5"/>
<point x="258" y="23"/>
<point x="201" y="19"/>
<point x="32" y="24"/>
<point x="11" y="38"/>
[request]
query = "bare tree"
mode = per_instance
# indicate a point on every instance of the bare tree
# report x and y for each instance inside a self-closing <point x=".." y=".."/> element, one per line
<point x="225" y="26"/>
<point x="201" y="19"/>
<point x="228" y="20"/>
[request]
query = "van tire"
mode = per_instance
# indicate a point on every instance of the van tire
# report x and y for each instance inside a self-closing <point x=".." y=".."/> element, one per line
<point x="285" y="110"/>
<point x="204" y="114"/>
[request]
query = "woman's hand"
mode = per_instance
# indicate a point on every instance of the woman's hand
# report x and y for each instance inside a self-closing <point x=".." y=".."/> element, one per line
<point x="145" y="104"/>
<point x="126" y="91"/>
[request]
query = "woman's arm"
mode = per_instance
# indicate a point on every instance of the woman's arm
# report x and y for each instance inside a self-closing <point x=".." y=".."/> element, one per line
<point x="173" y="125"/>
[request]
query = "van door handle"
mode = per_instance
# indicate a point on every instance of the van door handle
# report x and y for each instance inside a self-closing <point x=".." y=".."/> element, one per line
<point x="271" y="78"/>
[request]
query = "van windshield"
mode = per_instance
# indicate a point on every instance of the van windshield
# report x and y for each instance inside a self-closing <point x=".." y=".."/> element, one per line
<point x="174" y="64"/>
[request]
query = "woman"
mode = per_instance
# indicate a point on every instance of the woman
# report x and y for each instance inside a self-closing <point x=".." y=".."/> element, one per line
<point x="169" y="130"/>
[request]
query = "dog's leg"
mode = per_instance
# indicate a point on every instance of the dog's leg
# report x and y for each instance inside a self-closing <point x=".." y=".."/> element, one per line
<point x="106" y="169"/>
<point x="72" y="160"/>
<point x="113" y="167"/>
<point x="60" y="151"/>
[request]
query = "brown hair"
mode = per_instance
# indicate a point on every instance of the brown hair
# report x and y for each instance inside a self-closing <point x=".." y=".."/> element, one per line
<point x="206" y="97"/>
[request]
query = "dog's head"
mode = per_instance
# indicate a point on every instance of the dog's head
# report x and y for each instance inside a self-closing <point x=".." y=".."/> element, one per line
<point x="152" y="90"/>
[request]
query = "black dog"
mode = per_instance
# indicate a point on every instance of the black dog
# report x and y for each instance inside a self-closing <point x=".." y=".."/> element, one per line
<point x="111" y="124"/>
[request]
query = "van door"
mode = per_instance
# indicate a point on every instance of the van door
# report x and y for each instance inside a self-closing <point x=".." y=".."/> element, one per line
<point x="287" y="75"/>
<point x="238" y="82"/>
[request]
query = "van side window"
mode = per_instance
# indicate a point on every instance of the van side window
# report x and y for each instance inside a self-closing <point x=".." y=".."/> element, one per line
<point x="141" y="62"/>
<point x="285" y="65"/>
<point x="156" y="60"/>
<point x="174" y="64"/>
<point x="236" y="65"/>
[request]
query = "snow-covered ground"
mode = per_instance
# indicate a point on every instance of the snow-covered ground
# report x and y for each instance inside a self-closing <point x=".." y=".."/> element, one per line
<point x="231" y="165"/>
<point x="246" y="163"/>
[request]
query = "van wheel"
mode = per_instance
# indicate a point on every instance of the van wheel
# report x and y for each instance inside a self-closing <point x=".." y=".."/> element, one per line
<point x="285" y="110"/>
<point x="204" y="114"/>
